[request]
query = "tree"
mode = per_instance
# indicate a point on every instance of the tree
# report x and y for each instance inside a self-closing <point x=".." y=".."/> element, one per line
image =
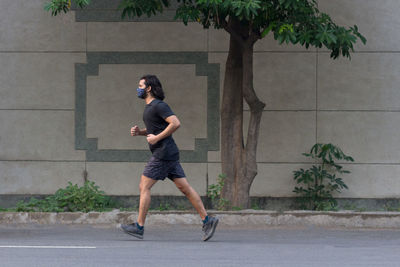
<point x="246" y="21"/>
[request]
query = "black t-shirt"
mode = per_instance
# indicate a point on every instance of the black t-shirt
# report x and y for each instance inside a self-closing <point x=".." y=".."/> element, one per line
<point x="154" y="116"/>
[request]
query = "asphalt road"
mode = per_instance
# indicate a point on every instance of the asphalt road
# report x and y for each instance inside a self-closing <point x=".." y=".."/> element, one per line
<point x="173" y="245"/>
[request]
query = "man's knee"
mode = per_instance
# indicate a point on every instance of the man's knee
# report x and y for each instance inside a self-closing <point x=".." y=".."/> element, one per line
<point x="185" y="189"/>
<point x="144" y="188"/>
<point x="141" y="187"/>
<point x="146" y="184"/>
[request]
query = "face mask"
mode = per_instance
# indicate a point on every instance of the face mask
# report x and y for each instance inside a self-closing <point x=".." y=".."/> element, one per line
<point x="141" y="93"/>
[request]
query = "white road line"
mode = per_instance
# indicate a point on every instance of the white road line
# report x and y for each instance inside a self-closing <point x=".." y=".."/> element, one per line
<point x="45" y="247"/>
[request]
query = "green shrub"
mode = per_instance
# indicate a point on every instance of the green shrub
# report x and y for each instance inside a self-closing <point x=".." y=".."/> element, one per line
<point x="214" y="192"/>
<point x="319" y="182"/>
<point x="73" y="198"/>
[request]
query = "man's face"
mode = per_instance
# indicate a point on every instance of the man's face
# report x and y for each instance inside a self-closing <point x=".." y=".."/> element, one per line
<point x="142" y="84"/>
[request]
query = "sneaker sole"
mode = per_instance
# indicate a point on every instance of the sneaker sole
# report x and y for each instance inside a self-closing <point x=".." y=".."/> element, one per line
<point x="132" y="234"/>
<point x="212" y="231"/>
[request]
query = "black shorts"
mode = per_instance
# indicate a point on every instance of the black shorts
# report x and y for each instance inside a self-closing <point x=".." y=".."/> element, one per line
<point x="158" y="169"/>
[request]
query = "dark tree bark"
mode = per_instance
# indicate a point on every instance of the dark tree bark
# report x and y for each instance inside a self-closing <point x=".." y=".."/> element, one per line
<point x="239" y="161"/>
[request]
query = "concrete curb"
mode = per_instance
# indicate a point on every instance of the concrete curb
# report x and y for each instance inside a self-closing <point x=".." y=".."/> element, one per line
<point x="342" y="219"/>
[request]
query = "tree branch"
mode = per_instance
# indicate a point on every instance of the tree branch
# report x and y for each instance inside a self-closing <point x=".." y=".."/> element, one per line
<point x="253" y="37"/>
<point x="256" y="110"/>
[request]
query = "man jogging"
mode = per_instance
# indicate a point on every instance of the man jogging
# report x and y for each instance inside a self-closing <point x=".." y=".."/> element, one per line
<point x="160" y="123"/>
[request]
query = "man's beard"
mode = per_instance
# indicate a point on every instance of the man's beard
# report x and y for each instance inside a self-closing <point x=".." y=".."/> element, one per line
<point x="143" y="96"/>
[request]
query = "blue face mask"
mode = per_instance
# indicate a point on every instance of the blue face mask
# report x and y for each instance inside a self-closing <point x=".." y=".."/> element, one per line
<point x="141" y="93"/>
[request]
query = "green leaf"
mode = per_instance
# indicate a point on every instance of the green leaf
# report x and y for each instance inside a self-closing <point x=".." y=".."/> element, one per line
<point x="267" y="30"/>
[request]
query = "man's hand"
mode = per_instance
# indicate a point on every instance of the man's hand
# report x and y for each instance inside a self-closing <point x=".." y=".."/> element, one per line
<point x="135" y="130"/>
<point x="152" y="139"/>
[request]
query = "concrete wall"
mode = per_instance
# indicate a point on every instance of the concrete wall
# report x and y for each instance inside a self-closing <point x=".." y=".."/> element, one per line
<point x="68" y="99"/>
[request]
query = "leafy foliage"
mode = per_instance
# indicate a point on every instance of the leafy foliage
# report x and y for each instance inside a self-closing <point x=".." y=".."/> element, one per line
<point x="214" y="192"/>
<point x="319" y="182"/>
<point x="73" y="198"/>
<point x="290" y="21"/>
<point x="56" y="6"/>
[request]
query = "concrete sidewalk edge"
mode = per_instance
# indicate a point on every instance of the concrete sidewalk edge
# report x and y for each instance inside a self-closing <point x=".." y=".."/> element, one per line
<point x="345" y="219"/>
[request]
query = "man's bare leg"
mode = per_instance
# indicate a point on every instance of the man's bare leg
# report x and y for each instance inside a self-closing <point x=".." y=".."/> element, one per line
<point x="194" y="198"/>
<point x="145" y="185"/>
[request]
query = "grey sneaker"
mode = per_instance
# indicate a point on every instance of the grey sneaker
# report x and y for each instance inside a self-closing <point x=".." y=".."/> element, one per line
<point x="132" y="229"/>
<point x="209" y="228"/>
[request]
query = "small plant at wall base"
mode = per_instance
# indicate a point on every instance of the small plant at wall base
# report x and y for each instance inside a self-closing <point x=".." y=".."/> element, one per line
<point x="162" y="207"/>
<point x="72" y="198"/>
<point x="319" y="182"/>
<point x="214" y="192"/>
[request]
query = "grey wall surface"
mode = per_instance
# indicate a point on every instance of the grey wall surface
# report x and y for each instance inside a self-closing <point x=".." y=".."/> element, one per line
<point x="68" y="99"/>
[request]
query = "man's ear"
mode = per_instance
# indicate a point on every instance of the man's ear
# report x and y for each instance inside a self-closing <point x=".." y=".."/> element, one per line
<point x="148" y="89"/>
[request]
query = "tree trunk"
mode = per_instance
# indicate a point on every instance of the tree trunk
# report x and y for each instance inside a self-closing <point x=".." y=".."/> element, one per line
<point x="239" y="162"/>
<point x="232" y="121"/>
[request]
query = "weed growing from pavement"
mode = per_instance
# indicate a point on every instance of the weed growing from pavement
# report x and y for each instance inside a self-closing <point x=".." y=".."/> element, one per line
<point x="392" y="208"/>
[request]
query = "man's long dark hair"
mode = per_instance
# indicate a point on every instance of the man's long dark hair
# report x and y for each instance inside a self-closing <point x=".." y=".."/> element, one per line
<point x="156" y="87"/>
